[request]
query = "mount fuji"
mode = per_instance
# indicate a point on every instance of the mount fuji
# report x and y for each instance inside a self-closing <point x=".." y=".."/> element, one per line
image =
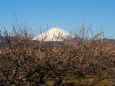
<point x="53" y="34"/>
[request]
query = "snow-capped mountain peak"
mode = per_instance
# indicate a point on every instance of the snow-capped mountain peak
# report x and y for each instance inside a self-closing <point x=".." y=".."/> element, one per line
<point x="54" y="34"/>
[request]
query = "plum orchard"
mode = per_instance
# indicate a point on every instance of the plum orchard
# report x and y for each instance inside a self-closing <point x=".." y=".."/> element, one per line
<point x="24" y="62"/>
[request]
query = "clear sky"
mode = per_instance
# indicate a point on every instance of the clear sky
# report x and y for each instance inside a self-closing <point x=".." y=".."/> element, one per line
<point x="66" y="14"/>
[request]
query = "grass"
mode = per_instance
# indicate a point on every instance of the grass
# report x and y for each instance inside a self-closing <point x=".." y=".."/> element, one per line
<point x="70" y="78"/>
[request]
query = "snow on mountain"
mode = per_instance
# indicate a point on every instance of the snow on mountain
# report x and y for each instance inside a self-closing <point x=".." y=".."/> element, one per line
<point x="54" y="34"/>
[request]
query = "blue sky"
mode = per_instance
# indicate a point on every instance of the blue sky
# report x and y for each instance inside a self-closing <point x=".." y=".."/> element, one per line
<point x="66" y="14"/>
